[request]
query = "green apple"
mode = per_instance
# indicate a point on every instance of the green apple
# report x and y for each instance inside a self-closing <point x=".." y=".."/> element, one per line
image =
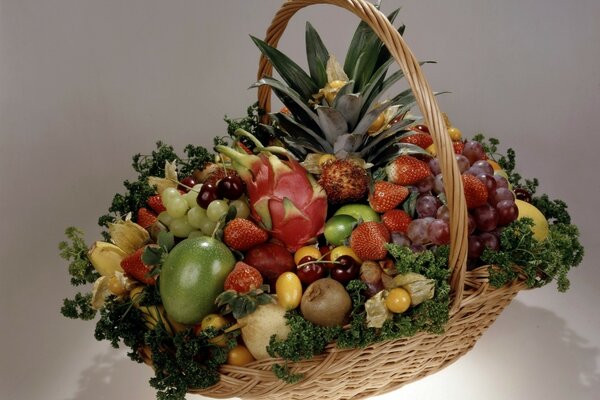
<point x="358" y="211"/>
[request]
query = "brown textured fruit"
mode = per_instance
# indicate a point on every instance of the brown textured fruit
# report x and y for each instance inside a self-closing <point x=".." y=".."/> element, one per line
<point x="344" y="181"/>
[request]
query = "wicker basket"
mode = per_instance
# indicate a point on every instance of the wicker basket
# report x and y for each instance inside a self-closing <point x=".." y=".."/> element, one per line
<point x="380" y="368"/>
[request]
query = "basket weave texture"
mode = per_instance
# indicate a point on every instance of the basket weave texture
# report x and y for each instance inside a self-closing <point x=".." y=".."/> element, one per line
<point x="386" y="366"/>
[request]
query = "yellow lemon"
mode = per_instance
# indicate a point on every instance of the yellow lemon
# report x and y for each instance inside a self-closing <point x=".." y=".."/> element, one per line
<point x="540" y="224"/>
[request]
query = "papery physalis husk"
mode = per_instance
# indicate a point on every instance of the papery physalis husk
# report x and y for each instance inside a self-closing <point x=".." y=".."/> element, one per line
<point x="388" y="115"/>
<point x="170" y="179"/>
<point x="336" y="79"/>
<point x="128" y="235"/>
<point x="377" y="312"/>
<point x="101" y="289"/>
<point x="419" y="287"/>
<point x="106" y="257"/>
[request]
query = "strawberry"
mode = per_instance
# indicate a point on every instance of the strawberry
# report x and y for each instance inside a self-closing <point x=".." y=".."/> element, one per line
<point x="407" y="170"/>
<point x="396" y="220"/>
<point x="458" y="147"/>
<point x="243" y="278"/>
<point x="243" y="234"/>
<point x="423" y="140"/>
<point x="386" y="196"/>
<point x="156" y="204"/>
<point x="135" y="267"/>
<point x="145" y="218"/>
<point x="368" y="241"/>
<point x="476" y="192"/>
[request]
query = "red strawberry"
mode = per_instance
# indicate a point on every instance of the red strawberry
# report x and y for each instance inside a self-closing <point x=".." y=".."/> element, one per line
<point x="407" y="170"/>
<point x="243" y="234"/>
<point x="386" y="196"/>
<point x="396" y="220"/>
<point x="135" y="267"/>
<point x="368" y="241"/>
<point x="476" y="192"/>
<point x="243" y="278"/>
<point x="145" y="218"/>
<point x="458" y="147"/>
<point x="423" y="140"/>
<point x="156" y="204"/>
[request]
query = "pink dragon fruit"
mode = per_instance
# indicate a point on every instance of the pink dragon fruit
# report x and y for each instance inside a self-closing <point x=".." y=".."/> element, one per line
<point x="284" y="198"/>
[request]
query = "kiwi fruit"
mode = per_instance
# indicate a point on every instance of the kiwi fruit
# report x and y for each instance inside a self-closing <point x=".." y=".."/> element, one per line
<point x="326" y="303"/>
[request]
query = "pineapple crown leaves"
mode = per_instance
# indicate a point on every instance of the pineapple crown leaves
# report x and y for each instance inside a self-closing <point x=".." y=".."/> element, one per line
<point x="338" y="126"/>
<point x="243" y="304"/>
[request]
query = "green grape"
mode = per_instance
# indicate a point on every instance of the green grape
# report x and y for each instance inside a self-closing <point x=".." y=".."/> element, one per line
<point x="169" y="194"/>
<point x="190" y="198"/>
<point x="177" y="207"/>
<point x="194" y="234"/>
<point x="165" y="218"/>
<point x="242" y="208"/>
<point x="208" y="227"/>
<point x="196" y="216"/>
<point x="216" y="209"/>
<point x="180" y="227"/>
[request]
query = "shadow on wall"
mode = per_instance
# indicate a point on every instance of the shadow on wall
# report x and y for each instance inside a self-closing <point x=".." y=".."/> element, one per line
<point x="558" y="361"/>
<point x="114" y="376"/>
<point x="532" y="350"/>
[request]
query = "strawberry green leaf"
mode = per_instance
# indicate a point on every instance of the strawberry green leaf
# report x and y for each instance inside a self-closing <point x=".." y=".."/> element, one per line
<point x="166" y="240"/>
<point x="151" y="255"/>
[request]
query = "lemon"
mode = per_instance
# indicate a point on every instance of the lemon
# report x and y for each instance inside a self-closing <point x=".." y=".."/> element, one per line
<point x="540" y="224"/>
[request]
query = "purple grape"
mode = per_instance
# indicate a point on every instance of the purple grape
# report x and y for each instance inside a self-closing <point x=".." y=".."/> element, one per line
<point x="438" y="184"/>
<point x="434" y="165"/>
<point x="443" y="213"/>
<point x="473" y="151"/>
<point x="474" y="171"/>
<point x="489" y="241"/>
<point x="463" y="163"/>
<point x="427" y="206"/>
<point x="485" y="166"/>
<point x="500" y="194"/>
<point x="417" y="231"/>
<point x="486" y="218"/>
<point x="400" y="239"/>
<point x="507" y="212"/>
<point x="475" y="247"/>
<point x="439" y="232"/>
<point x="426" y="184"/>
<point x="501" y="181"/>
<point x="472" y="225"/>
<point x="489" y="182"/>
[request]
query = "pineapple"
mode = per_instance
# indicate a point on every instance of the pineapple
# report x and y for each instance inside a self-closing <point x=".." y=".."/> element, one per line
<point x="338" y="109"/>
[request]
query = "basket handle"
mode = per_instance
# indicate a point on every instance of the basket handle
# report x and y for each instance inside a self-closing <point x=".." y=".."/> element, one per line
<point x="426" y="102"/>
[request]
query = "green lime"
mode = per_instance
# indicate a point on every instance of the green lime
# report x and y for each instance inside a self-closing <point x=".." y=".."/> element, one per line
<point x="359" y="211"/>
<point x="338" y="228"/>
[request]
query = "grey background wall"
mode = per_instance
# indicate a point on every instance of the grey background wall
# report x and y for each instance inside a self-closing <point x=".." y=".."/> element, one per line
<point x="85" y="84"/>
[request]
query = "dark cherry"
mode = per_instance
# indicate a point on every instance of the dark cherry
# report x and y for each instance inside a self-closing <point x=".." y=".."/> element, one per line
<point x="522" y="194"/>
<point x="345" y="269"/>
<point x="207" y="194"/>
<point x="187" y="183"/>
<point x="308" y="272"/>
<point x="230" y="187"/>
